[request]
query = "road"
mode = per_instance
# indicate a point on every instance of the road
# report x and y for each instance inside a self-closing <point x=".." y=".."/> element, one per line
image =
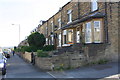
<point x="18" y="68"/>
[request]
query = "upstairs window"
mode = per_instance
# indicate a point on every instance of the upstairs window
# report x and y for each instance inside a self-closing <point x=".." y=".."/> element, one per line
<point x="46" y="30"/>
<point x="52" y="25"/>
<point x="94" y="5"/>
<point x="59" y="23"/>
<point x="69" y="13"/>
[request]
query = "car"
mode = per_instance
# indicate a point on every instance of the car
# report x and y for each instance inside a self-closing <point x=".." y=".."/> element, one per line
<point x="3" y="60"/>
<point x="7" y="54"/>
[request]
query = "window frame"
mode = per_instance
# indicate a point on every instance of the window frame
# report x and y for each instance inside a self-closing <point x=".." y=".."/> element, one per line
<point x="69" y="13"/>
<point x="92" y="30"/>
<point x="52" y="26"/>
<point x="99" y="31"/>
<point x="59" y="23"/>
<point x="94" y="5"/>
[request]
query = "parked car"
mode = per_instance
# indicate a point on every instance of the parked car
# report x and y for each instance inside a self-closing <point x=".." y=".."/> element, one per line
<point x="3" y="60"/>
<point x="7" y="54"/>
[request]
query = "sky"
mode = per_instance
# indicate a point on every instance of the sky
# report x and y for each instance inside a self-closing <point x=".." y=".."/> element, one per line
<point x="27" y="14"/>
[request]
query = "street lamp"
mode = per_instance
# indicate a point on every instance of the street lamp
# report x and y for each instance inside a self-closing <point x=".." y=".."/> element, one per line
<point x="19" y="30"/>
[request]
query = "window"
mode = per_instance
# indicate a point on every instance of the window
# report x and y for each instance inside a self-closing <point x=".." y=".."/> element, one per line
<point x="64" y="36"/>
<point x="59" y="23"/>
<point x="88" y="34"/>
<point x="52" y="40"/>
<point x="94" y="5"/>
<point x="46" y="41"/>
<point x="97" y="32"/>
<point x="49" y="42"/>
<point x="65" y="40"/>
<point x="52" y="25"/>
<point x="70" y="36"/>
<point x="46" y="30"/>
<point x="78" y="36"/>
<point x="59" y="40"/>
<point x="69" y="13"/>
<point x="93" y="32"/>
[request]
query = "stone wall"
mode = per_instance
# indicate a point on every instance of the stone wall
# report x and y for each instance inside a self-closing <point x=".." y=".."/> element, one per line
<point x="111" y="51"/>
<point x="43" y="63"/>
<point x="65" y="60"/>
<point x="26" y="56"/>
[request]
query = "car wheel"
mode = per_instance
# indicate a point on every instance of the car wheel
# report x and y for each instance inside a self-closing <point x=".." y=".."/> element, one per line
<point x="3" y="71"/>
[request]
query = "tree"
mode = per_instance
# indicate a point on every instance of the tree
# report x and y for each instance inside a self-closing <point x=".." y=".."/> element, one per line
<point x="36" y="40"/>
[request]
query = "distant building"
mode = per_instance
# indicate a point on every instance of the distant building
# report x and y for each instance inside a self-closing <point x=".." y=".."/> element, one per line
<point x="23" y="43"/>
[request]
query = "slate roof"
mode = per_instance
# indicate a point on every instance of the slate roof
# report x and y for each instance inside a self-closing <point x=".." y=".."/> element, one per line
<point x="94" y="15"/>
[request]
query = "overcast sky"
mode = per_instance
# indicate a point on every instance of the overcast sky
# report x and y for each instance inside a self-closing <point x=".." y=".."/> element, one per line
<point x="27" y="13"/>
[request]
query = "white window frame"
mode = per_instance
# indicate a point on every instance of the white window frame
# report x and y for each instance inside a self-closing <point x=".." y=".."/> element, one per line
<point x="70" y="35"/>
<point x="52" y="25"/>
<point x="46" y="41"/>
<point x="86" y="30"/>
<point x="100" y="31"/>
<point x="46" y="30"/>
<point x="69" y="13"/>
<point x="59" y="40"/>
<point x="78" y="36"/>
<point x="64" y="34"/>
<point x="94" y="5"/>
<point x="52" y="40"/>
<point x="59" y="23"/>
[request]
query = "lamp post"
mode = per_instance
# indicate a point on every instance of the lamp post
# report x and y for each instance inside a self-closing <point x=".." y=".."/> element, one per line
<point x="19" y="30"/>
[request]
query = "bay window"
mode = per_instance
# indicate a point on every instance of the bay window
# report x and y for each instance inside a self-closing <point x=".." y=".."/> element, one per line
<point x="78" y="36"/>
<point x="93" y="32"/>
<point x="46" y="41"/>
<point x="88" y="34"/>
<point x="97" y="33"/>
<point x="64" y="36"/>
<point x="59" y="40"/>
<point x="70" y="36"/>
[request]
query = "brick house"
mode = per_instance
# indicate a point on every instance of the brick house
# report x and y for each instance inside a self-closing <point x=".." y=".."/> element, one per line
<point x="90" y="27"/>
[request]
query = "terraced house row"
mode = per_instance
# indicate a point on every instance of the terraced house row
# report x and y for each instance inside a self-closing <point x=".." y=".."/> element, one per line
<point x="91" y="27"/>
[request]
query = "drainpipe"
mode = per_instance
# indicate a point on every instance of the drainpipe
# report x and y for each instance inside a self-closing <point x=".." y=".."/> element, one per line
<point x="61" y="29"/>
<point x="78" y="9"/>
<point x="106" y="24"/>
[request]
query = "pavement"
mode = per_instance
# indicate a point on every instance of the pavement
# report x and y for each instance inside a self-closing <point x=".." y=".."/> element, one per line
<point x="18" y="68"/>
<point x="109" y="70"/>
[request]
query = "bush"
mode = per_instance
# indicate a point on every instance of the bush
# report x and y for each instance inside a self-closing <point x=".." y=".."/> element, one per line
<point x="36" y="39"/>
<point x="102" y="61"/>
<point x="26" y="48"/>
<point x="41" y="53"/>
<point x="48" y="48"/>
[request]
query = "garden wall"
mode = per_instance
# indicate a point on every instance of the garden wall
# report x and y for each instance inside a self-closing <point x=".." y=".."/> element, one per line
<point x="26" y="56"/>
<point x="66" y="60"/>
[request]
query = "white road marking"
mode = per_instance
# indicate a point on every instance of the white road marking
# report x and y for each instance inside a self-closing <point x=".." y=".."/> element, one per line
<point x="51" y="74"/>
